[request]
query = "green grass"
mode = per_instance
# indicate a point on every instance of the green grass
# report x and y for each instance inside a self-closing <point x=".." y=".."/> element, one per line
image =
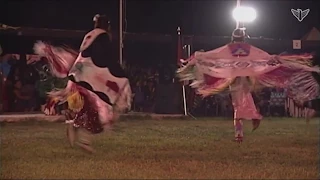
<point x="203" y="148"/>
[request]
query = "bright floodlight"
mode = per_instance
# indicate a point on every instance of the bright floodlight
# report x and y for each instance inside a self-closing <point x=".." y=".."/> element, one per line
<point x="244" y="14"/>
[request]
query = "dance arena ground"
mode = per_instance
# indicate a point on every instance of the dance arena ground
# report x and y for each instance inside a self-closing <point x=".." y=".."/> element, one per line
<point x="167" y="148"/>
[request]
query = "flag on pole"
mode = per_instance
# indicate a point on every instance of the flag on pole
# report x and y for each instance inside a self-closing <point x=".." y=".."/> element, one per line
<point x="180" y="53"/>
<point x="179" y="47"/>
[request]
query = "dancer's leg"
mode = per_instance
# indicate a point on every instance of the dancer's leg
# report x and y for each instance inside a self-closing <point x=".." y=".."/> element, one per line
<point x="238" y="127"/>
<point x="311" y="107"/>
<point x="255" y="124"/>
<point x="71" y="133"/>
<point x="116" y="115"/>
<point x="85" y="140"/>
<point x="309" y="115"/>
<point x="71" y="130"/>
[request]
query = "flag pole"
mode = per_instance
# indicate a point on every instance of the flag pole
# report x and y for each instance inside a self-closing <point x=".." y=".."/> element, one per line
<point x="120" y="31"/>
<point x="183" y="87"/>
<point x="184" y="100"/>
<point x="179" y="56"/>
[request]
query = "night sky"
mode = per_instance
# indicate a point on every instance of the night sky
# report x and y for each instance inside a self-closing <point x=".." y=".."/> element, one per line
<point x="274" y="18"/>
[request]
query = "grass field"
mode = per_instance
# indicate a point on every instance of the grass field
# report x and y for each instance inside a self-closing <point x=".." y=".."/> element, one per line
<point x="139" y="149"/>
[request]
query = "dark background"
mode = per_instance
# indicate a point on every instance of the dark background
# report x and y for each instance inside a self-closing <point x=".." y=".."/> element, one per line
<point x="200" y="17"/>
<point x="197" y="17"/>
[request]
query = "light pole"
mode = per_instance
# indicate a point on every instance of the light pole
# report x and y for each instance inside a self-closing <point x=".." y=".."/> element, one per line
<point x="120" y="32"/>
<point x="238" y="5"/>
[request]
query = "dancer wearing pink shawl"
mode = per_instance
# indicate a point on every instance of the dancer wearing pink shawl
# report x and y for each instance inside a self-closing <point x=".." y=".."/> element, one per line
<point x="240" y="68"/>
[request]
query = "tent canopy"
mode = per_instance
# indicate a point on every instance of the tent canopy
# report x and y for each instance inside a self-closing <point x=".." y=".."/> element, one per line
<point x="312" y="35"/>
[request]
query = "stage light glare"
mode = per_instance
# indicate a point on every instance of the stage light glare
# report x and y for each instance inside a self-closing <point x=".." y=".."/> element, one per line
<point x="244" y="14"/>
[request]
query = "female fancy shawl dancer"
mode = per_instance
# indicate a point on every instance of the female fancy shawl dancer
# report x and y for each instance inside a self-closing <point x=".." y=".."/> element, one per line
<point x="97" y="90"/>
<point x="239" y="68"/>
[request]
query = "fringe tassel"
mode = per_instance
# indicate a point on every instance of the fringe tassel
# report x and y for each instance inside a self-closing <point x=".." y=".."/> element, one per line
<point x="75" y="101"/>
<point x="294" y="110"/>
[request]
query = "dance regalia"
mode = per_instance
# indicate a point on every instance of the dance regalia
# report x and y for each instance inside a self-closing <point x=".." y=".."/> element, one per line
<point x="239" y="68"/>
<point x="313" y="104"/>
<point x="46" y="83"/>
<point x="97" y="87"/>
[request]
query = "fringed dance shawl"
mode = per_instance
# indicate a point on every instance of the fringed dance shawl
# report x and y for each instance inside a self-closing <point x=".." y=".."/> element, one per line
<point x="240" y="68"/>
<point x="88" y="82"/>
<point x="214" y="71"/>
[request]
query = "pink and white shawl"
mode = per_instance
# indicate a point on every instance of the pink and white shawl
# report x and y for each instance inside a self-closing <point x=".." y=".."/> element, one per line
<point x="65" y="62"/>
<point x="240" y="68"/>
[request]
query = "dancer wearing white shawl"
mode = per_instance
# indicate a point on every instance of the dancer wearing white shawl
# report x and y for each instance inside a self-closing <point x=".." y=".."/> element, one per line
<point x="98" y="89"/>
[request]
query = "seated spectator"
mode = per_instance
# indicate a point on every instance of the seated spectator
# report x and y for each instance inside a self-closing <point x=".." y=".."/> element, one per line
<point x="1" y="91"/>
<point x="149" y="96"/>
<point x="29" y="90"/>
<point x="226" y="106"/>
<point x="138" y="99"/>
<point x="264" y="102"/>
<point x="13" y="77"/>
<point x="210" y="106"/>
<point x="24" y="97"/>
<point x="277" y="102"/>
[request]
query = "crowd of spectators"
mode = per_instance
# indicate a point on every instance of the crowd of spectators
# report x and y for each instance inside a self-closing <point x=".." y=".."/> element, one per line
<point x="143" y="83"/>
<point x="20" y="82"/>
<point x="269" y="102"/>
<point x="18" y="92"/>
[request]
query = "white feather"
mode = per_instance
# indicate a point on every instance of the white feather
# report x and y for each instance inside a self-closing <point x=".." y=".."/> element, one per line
<point x="39" y="47"/>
